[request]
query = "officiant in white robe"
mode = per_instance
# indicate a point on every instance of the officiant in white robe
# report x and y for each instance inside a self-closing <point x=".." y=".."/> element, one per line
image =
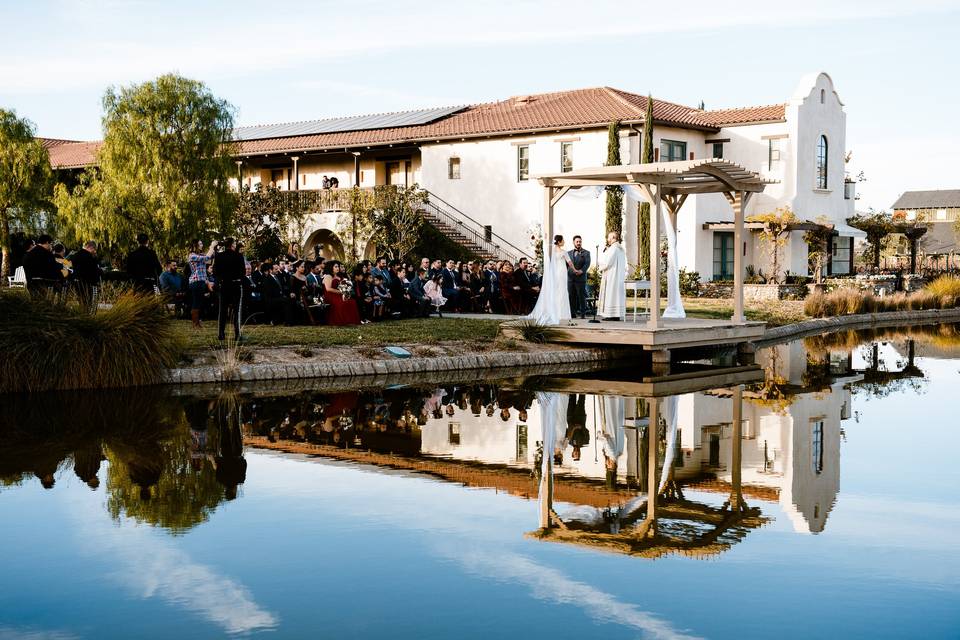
<point x="612" y="304"/>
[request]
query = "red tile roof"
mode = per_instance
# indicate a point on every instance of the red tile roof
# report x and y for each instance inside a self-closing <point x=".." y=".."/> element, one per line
<point x="744" y="115"/>
<point x="562" y="110"/>
<point x="73" y="155"/>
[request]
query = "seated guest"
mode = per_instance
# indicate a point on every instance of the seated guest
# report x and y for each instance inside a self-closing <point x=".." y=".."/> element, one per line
<point x="436" y="268"/>
<point x="343" y="308"/>
<point x="419" y="301"/>
<point x="381" y="298"/>
<point x="86" y="273"/>
<point x="173" y="288"/>
<point x="491" y="285"/>
<point x="453" y="290"/>
<point x="362" y="294"/>
<point x="433" y="289"/>
<point x="43" y="271"/>
<point x="511" y="291"/>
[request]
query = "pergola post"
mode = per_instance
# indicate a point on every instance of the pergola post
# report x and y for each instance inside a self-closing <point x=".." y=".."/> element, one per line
<point x="296" y="173"/>
<point x="738" y="200"/>
<point x="653" y="432"/>
<point x="736" y="496"/>
<point x="546" y="489"/>
<point x="653" y="323"/>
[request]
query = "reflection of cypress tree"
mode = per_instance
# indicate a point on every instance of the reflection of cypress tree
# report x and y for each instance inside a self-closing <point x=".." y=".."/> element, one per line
<point x="86" y="463"/>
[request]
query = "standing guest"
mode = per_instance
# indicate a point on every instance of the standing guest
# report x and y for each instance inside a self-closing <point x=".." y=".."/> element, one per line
<point x="491" y="285"/>
<point x="143" y="267"/>
<point x="419" y="301"/>
<point x="325" y="183"/>
<point x="283" y="275"/>
<point x="314" y="274"/>
<point x="577" y="278"/>
<point x="398" y="288"/>
<point x="271" y="294"/>
<point x="362" y="294"/>
<point x="199" y="282"/>
<point x="433" y="289"/>
<point x="343" y="308"/>
<point x="42" y="270"/>
<point x="297" y="304"/>
<point x="229" y="271"/>
<point x="86" y="273"/>
<point x="528" y="291"/>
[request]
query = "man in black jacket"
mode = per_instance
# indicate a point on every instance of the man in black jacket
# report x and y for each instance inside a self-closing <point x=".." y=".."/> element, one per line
<point x="229" y="272"/>
<point x="491" y="285"/>
<point x="271" y="294"/>
<point x="418" y="297"/>
<point x="143" y="266"/>
<point x="41" y="267"/>
<point x="86" y="273"/>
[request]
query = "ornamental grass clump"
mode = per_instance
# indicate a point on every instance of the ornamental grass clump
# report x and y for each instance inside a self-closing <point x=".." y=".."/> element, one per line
<point x="947" y="289"/>
<point x="52" y="346"/>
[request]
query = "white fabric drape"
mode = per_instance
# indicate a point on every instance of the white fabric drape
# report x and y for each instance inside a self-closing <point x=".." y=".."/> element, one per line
<point x="553" y="303"/>
<point x="669" y="406"/>
<point x="674" y="302"/>
<point x="612" y="413"/>
<point x="553" y="420"/>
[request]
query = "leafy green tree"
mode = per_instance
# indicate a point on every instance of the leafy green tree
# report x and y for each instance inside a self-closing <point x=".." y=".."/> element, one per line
<point x="25" y="180"/>
<point x="258" y="221"/>
<point x="643" y="215"/>
<point x="163" y="167"/>
<point x="614" y="217"/>
<point x="397" y="223"/>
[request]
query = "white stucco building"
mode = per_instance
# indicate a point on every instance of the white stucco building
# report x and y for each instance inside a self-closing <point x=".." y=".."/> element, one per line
<point x="479" y="162"/>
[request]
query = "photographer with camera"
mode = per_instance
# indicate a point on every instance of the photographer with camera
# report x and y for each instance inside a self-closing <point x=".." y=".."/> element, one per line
<point x="229" y="271"/>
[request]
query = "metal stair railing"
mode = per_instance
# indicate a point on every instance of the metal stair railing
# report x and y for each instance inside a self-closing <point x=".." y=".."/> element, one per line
<point x="474" y="232"/>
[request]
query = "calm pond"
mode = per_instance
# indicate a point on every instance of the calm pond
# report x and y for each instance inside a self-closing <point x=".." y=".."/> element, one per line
<point x="518" y="507"/>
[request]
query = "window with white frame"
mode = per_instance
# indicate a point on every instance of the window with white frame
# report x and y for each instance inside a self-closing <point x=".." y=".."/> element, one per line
<point x="941" y="214"/>
<point x="566" y="157"/>
<point x="523" y="163"/>
<point x="822" y="153"/>
<point x="774" y="150"/>
<point x="453" y="168"/>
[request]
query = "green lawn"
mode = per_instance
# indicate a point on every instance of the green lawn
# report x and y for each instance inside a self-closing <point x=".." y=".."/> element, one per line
<point x="422" y="331"/>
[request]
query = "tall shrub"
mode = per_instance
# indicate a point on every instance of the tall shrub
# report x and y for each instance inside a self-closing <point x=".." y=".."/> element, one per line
<point x="614" y="218"/>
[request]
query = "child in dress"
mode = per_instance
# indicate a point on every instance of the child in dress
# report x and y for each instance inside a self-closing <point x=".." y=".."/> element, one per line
<point x="434" y="290"/>
<point x="381" y="298"/>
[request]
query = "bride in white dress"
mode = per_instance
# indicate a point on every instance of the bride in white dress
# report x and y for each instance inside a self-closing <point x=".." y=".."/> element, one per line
<point x="553" y="304"/>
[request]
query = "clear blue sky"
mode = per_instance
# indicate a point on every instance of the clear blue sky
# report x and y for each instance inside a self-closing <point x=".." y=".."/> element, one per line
<point x="894" y="63"/>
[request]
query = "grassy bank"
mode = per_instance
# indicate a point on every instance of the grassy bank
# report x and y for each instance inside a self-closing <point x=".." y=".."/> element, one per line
<point x="414" y="331"/>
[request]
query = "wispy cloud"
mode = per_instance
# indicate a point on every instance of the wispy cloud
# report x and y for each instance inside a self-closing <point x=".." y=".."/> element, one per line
<point x="32" y="633"/>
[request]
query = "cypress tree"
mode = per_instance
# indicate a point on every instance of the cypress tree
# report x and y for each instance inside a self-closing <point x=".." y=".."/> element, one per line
<point x="643" y="217"/>
<point x="614" y="219"/>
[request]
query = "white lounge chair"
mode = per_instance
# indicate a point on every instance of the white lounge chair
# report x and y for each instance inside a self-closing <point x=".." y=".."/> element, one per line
<point x="18" y="280"/>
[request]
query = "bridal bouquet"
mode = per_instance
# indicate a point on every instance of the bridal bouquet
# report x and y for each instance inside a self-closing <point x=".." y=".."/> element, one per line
<point x="346" y="290"/>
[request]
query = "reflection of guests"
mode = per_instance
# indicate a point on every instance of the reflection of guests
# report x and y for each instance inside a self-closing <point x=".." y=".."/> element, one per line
<point x="86" y="464"/>
<point x="231" y="467"/>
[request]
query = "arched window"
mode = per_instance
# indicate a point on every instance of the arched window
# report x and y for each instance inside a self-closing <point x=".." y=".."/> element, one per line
<point x="823" y="96"/>
<point x="822" y="163"/>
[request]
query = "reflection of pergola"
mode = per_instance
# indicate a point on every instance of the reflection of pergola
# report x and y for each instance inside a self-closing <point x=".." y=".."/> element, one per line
<point x="669" y="183"/>
<point x="647" y="529"/>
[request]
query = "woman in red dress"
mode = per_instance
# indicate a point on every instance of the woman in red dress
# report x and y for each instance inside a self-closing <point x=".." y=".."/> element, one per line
<point x="340" y="312"/>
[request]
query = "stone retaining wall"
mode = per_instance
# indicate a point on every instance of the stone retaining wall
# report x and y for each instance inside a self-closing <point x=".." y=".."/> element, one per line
<point x="363" y="368"/>
<point x="857" y="321"/>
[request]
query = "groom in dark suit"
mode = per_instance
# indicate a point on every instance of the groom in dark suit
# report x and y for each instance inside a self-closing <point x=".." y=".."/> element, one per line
<point x="577" y="278"/>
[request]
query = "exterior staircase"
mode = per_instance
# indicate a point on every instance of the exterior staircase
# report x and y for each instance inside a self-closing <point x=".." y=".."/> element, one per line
<point x="467" y="232"/>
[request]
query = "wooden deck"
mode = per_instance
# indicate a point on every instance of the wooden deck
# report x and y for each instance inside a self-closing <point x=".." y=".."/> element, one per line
<point x="673" y="333"/>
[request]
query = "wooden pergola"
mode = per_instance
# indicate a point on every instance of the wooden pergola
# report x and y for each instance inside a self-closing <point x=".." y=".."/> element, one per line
<point x="669" y="183"/>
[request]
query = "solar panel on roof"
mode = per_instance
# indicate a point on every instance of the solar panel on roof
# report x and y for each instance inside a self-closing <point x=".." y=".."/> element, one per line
<point x="337" y="125"/>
